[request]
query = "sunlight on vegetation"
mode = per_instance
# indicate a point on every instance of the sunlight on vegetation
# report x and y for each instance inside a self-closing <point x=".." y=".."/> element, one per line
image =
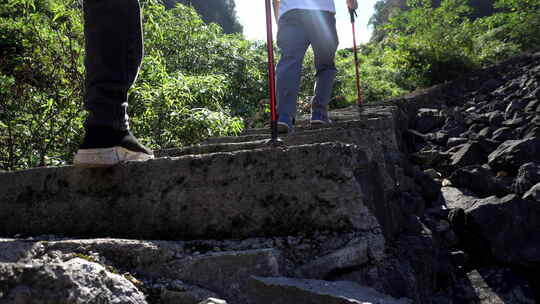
<point x="196" y="82"/>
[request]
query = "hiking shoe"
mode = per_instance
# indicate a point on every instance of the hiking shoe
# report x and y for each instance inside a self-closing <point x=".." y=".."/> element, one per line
<point x="319" y="117"/>
<point x="285" y="124"/>
<point x="104" y="147"/>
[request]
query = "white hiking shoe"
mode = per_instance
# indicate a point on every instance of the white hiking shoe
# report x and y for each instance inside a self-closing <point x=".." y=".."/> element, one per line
<point x="105" y="147"/>
<point x="107" y="157"/>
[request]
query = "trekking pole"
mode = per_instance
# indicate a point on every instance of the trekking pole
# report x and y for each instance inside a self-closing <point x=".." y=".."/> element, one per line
<point x="359" y="101"/>
<point x="271" y="73"/>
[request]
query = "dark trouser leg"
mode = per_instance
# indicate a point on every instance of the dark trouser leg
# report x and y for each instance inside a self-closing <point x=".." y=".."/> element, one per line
<point x="114" y="50"/>
<point x="293" y="43"/>
<point x="324" y="41"/>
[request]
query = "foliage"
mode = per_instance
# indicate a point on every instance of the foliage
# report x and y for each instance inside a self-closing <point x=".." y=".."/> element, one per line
<point x="40" y="82"/>
<point x="193" y="48"/>
<point x="191" y="77"/>
<point x="196" y="81"/>
<point x="386" y="9"/>
<point x="518" y="23"/>
<point x="431" y="45"/>
<point x="221" y="12"/>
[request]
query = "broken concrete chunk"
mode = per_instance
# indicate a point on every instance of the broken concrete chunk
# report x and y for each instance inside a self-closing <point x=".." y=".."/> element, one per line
<point x="226" y="273"/>
<point x="357" y="253"/>
<point x="280" y="290"/>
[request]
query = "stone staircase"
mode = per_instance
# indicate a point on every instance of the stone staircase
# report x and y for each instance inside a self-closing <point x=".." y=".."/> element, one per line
<point x="231" y="187"/>
<point x="228" y="212"/>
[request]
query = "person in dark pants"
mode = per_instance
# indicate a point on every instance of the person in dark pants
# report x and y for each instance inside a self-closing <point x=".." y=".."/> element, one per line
<point x="114" y="51"/>
<point x="302" y="23"/>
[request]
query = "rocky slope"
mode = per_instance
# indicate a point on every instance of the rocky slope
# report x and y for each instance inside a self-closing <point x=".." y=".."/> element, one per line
<point x="417" y="200"/>
<point x="480" y="137"/>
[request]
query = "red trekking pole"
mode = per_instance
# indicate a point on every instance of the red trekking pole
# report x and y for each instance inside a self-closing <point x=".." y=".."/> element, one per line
<point x="271" y="73"/>
<point x="359" y="101"/>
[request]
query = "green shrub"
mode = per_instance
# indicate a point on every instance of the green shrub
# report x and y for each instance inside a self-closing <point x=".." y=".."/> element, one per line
<point x="194" y="81"/>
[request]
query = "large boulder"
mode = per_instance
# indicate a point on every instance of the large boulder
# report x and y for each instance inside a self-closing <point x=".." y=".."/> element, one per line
<point x="469" y="154"/>
<point x="76" y="281"/>
<point x="493" y="285"/>
<point x="226" y="273"/>
<point x="511" y="154"/>
<point x="428" y="119"/>
<point x="509" y="226"/>
<point x="356" y="254"/>
<point x="482" y="181"/>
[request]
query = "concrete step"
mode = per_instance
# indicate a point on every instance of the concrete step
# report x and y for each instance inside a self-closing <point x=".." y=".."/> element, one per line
<point x="371" y="136"/>
<point x="334" y="178"/>
<point x="262" y="192"/>
<point x="382" y="127"/>
<point x="341" y="115"/>
<point x="264" y="134"/>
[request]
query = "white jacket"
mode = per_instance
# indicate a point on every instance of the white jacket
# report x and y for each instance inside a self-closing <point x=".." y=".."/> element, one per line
<point x="321" y="5"/>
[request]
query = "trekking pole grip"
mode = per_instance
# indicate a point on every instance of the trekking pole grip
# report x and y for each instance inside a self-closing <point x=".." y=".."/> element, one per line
<point x="353" y="14"/>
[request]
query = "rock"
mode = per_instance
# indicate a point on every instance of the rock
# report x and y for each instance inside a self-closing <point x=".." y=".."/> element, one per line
<point x="226" y="273"/>
<point x="428" y="119"/>
<point x="490" y="85"/>
<point x="488" y="145"/>
<point x="439" y="137"/>
<point x="453" y="128"/>
<point x="510" y="227"/>
<point x="409" y="273"/>
<point x="532" y="132"/>
<point x="468" y="154"/>
<point x="474" y="129"/>
<point x="514" y="122"/>
<point x="72" y="282"/>
<point x="513" y="108"/>
<point x="446" y="182"/>
<point x="495" y="118"/>
<point x="481" y="181"/>
<point x="415" y="138"/>
<point x="428" y="188"/>
<point x="13" y="251"/>
<point x="533" y="194"/>
<point x="459" y="259"/>
<point x="484" y="133"/>
<point x="456" y="141"/>
<point x="528" y="175"/>
<point x="532" y="106"/>
<point x="493" y="285"/>
<point x="433" y="173"/>
<point x="185" y="294"/>
<point x="288" y="290"/>
<point x="504" y="134"/>
<point x="457" y="198"/>
<point x="429" y="157"/>
<point x="357" y="253"/>
<point x="511" y="154"/>
<point x="213" y="301"/>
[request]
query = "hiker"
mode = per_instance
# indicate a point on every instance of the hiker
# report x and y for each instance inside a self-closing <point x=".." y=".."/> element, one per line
<point x="114" y="51"/>
<point x="302" y="23"/>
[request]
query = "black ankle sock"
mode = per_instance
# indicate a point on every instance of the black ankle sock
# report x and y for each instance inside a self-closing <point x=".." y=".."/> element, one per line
<point x="98" y="137"/>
